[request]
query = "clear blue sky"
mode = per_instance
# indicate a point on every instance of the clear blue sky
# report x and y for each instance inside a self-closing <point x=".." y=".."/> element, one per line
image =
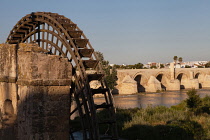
<point x="128" y="31"/>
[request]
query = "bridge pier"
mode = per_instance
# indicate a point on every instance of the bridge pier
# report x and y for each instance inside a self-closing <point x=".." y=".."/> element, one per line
<point x="173" y="85"/>
<point x="127" y="86"/>
<point x="153" y="85"/>
<point x="206" y="81"/>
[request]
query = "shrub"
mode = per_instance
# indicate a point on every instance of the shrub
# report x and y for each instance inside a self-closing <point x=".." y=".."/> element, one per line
<point x="206" y="105"/>
<point x="193" y="128"/>
<point x="154" y="116"/>
<point x="180" y="106"/>
<point x="193" y="101"/>
<point x="158" y="132"/>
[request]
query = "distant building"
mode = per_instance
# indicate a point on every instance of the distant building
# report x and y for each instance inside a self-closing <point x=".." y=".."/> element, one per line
<point x="152" y="64"/>
<point x="196" y="64"/>
<point x="111" y="65"/>
<point x="146" y="66"/>
<point x="192" y="64"/>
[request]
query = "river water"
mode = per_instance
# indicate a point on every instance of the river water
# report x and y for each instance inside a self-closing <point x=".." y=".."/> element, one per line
<point x="166" y="98"/>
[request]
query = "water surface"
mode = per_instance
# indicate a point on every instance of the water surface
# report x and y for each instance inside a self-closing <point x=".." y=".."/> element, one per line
<point x="167" y="98"/>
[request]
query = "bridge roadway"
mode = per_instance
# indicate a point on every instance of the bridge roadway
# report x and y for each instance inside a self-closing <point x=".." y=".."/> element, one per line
<point x="151" y="80"/>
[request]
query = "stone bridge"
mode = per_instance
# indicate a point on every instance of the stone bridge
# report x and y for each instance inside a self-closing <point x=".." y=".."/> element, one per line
<point x="152" y="80"/>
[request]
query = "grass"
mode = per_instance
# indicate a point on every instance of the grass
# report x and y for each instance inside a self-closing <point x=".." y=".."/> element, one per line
<point x="162" y="123"/>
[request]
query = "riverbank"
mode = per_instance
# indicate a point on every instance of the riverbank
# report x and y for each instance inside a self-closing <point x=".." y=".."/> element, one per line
<point x="165" y="123"/>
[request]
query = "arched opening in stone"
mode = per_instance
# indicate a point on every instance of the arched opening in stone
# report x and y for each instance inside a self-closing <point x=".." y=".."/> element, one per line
<point x="199" y="77"/>
<point x="160" y="79"/>
<point x="196" y="76"/>
<point x="140" y="87"/>
<point x="8" y="107"/>
<point x="8" y="121"/>
<point x="183" y="80"/>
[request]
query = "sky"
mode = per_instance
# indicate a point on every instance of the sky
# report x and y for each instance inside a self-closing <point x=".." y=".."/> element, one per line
<point x="128" y="31"/>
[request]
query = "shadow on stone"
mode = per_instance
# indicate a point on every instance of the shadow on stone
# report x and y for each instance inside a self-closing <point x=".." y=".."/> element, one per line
<point x="34" y="94"/>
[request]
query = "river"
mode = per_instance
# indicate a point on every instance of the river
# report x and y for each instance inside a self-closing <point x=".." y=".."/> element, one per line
<point x="166" y="98"/>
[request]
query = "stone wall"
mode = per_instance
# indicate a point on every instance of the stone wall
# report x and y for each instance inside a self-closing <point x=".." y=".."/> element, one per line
<point x="8" y="76"/>
<point x="8" y="91"/>
<point x="42" y="100"/>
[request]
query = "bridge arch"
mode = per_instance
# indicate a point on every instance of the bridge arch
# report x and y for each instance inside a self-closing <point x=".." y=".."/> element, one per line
<point x="162" y="79"/>
<point x="141" y="80"/>
<point x="183" y="78"/>
<point x="200" y="76"/>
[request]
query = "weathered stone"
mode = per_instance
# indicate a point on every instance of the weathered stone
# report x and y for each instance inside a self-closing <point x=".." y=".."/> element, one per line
<point x="128" y="86"/>
<point x="171" y="79"/>
<point x="206" y="81"/>
<point x="173" y="85"/>
<point x="153" y="85"/>
<point x="43" y="68"/>
<point x="41" y="101"/>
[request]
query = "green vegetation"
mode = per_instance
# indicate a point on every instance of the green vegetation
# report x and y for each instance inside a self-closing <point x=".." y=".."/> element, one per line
<point x="175" y="59"/>
<point x="135" y="66"/>
<point x="180" y="60"/>
<point x="193" y="102"/>
<point x="153" y="67"/>
<point x="187" y="66"/>
<point x="207" y="65"/>
<point x="162" y="66"/>
<point x="189" y="120"/>
<point x="200" y="66"/>
<point x="109" y="71"/>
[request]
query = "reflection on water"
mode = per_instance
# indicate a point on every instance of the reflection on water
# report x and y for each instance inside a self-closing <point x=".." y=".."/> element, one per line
<point x="167" y="98"/>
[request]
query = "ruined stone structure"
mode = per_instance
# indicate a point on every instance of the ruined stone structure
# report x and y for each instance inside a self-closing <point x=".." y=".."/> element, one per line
<point x="38" y="90"/>
<point x="34" y="93"/>
<point x="152" y="80"/>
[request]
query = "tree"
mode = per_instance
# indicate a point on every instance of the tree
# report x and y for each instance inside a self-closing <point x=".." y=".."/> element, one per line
<point x="207" y="65"/>
<point x="138" y="66"/>
<point x="153" y="67"/>
<point x="175" y="59"/>
<point x="193" y="101"/>
<point x="101" y="59"/>
<point x="162" y="66"/>
<point x="180" y="59"/>
<point x="110" y="72"/>
<point x="187" y="66"/>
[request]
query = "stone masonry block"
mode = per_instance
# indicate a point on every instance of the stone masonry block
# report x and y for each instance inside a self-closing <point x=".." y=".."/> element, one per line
<point x="41" y="68"/>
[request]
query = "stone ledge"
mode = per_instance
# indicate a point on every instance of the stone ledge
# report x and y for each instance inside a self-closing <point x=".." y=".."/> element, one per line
<point x="26" y="47"/>
<point x="65" y="82"/>
<point x="8" y="79"/>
